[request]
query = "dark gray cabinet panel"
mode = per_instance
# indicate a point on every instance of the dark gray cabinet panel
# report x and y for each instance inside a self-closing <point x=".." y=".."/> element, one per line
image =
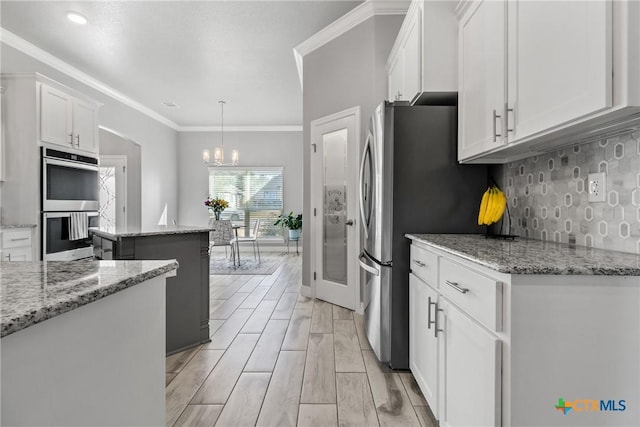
<point x="187" y="293"/>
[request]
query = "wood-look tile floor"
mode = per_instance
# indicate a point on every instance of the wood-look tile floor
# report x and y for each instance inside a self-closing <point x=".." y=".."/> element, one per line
<point x="280" y="359"/>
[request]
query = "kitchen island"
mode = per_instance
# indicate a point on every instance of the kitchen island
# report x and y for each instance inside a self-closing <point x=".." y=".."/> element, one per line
<point x="187" y="293"/>
<point x="83" y="342"/>
<point x="524" y="332"/>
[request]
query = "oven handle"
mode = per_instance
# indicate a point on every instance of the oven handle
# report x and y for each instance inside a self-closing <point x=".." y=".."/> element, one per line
<point x="66" y="214"/>
<point x="69" y="164"/>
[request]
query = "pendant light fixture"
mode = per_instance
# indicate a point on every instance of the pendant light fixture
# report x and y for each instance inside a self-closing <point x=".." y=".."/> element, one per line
<point x="218" y="153"/>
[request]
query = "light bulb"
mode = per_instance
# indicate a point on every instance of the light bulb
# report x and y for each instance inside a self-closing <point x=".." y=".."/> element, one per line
<point x="76" y="18"/>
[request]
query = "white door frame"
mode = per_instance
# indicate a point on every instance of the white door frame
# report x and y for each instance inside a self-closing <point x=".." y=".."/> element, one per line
<point x="117" y="161"/>
<point x="316" y="176"/>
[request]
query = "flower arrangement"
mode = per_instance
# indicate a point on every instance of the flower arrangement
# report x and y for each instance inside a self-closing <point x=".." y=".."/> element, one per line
<point x="216" y="205"/>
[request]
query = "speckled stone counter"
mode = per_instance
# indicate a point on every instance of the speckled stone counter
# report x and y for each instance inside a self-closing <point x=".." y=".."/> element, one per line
<point x="33" y="292"/>
<point x="528" y="256"/>
<point x="11" y="226"/>
<point x="115" y="233"/>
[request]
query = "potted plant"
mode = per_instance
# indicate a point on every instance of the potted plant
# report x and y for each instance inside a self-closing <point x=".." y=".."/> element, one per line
<point x="216" y="205"/>
<point x="291" y="221"/>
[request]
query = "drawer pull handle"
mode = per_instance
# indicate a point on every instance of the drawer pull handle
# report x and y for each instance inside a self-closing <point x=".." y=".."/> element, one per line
<point x="419" y="263"/>
<point x="20" y="239"/>
<point x="457" y="287"/>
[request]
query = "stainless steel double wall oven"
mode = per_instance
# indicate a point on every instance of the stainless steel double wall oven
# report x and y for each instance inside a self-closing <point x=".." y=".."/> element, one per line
<point x="69" y="184"/>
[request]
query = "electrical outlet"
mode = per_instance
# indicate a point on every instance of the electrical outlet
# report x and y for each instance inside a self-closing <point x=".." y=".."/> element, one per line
<point x="597" y="187"/>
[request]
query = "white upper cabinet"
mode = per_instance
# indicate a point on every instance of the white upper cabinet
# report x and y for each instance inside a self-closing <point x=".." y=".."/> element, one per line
<point x="423" y="57"/>
<point x="411" y="57"/>
<point x="482" y="65"/>
<point x="395" y="70"/>
<point x="67" y="120"/>
<point x="556" y="72"/>
<point x="559" y="63"/>
<point x="56" y="109"/>
<point x="404" y="63"/>
<point x="85" y="126"/>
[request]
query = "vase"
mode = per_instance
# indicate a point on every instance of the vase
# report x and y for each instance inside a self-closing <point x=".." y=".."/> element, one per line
<point x="294" y="234"/>
<point x="217" y="215"/>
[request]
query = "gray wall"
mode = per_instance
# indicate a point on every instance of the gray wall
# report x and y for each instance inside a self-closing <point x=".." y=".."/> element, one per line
<point x="256" y="149"/>
<point x="113" y="145"/>
<point x="348" y="71"/>
<point x="548" y="195"/>
<point x="157" y="141"/>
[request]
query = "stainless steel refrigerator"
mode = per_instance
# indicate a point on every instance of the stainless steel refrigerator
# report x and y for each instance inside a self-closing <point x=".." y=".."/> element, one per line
<point x="410" y="182"/>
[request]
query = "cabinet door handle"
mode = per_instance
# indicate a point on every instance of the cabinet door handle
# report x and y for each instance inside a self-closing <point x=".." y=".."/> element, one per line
<point x="495" y="130"/>
<point x="435" y="317"/>
<point x="419" y="263"/>
<point x="9" y="256"/>
<point x="20" y="239"/>
<point x="436" y="329"/>
<point x="78" y="139"/>
<point x="457" y="287"/>
<point x="508" y="110"/>
<point x="429" y="321"/>
<point x="71" y="138"/>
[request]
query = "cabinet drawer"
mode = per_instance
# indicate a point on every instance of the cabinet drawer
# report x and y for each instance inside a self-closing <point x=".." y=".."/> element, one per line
<point x="16" y="238"/>
<point x="424" y="264"/>
<point x="479" y="296"/>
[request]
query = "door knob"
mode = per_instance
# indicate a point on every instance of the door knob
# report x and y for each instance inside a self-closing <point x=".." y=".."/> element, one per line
<point x="349" y="222"/>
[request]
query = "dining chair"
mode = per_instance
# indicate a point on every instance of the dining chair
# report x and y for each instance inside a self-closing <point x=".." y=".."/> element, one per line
<point x="221" y="234"/>
<point x="253" y="239"/>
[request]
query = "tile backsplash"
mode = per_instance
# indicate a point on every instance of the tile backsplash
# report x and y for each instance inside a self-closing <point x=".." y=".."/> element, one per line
<point x="548" y="195"/>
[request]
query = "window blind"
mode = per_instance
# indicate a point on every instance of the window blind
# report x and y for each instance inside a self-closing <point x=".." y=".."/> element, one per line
<point x="252" y="193"/>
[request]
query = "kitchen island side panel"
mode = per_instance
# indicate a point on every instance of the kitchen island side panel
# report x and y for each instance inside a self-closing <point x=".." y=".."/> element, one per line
<point x="188" y="292"/>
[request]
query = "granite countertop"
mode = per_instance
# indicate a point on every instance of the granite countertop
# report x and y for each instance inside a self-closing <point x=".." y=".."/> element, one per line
<point x="114" y="233"/>
<point x="32" y="292"/>
<point x="9" y="226"/>
<point x="528" y="256"/>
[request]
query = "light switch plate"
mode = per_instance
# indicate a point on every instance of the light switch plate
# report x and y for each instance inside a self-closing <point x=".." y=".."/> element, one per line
<point x="597" y="187"/>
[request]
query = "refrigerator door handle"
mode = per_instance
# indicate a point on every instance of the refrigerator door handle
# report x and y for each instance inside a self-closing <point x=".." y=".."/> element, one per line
<point x="363" y="264"/>
<point x="361" y="184"/>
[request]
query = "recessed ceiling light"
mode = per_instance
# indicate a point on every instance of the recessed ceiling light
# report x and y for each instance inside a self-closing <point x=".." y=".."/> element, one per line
<point x="76" y="18"/>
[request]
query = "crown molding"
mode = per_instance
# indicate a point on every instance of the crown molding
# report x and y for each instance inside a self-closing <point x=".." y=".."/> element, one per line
<point x="292" y="128"/>
<point x="41" y="55"/>
<point x="352" y="19"/>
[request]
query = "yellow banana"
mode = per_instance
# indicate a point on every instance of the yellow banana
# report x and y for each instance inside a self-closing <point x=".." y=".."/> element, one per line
<point x="483" y="207"/>
<point x="501" y="206"/>
<point x="490" y="207"/>
<point x="495" y="200"/>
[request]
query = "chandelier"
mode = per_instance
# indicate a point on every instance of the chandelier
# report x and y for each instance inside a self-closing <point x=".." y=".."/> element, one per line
<point x="218" y="153"/>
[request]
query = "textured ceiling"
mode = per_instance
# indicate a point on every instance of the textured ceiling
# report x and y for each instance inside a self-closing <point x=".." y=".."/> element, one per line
<point x="192" y="53"/>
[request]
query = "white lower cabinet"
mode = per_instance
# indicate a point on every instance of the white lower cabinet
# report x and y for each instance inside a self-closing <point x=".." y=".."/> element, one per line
<point x="455" y="361"/>
<point x="495" y="349"/>
<point x="15" y="244"/>
<point x="470" y="371"/>
<point x="423" y="342"/>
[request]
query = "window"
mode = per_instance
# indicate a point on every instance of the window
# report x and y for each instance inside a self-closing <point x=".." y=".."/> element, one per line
<point x="252" y="193"/>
